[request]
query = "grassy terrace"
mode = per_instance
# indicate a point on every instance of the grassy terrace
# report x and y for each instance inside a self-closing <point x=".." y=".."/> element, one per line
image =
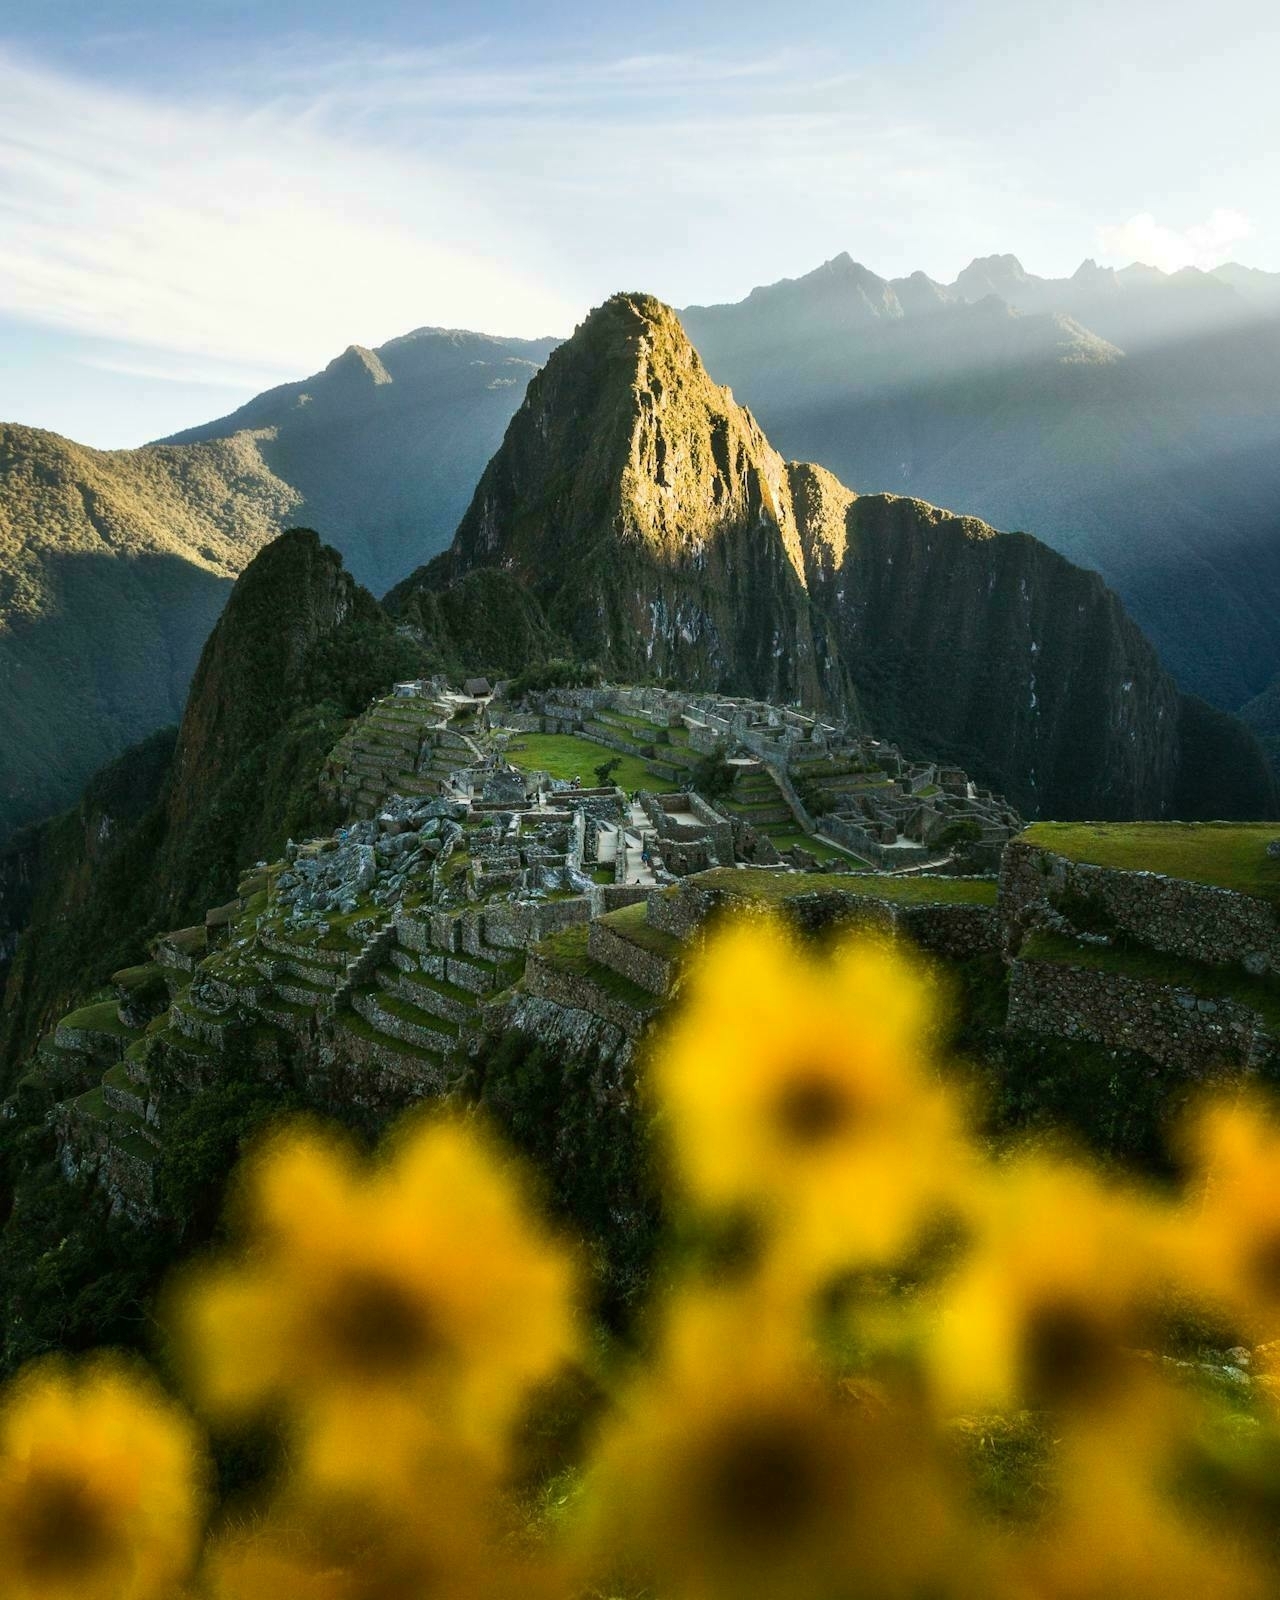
<point x="122" y="1125"/>
<point x="758" y="884"/>
<point x="789" y="839"/>
<point x="631" y="923"/>
<point x="1231" y="855"/>
<point x="101" y="1017"/>
<point x="1151" y="966"/>
<point x="564" y="755"/>
<point x="568" y="952"/>
<point x="352" y="1022"/>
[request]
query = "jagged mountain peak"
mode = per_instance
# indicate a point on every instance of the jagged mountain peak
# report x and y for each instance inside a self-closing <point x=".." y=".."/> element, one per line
<point x="360" y="363"/>
<point x="623" y="435"/>
<point x="995" y="274"/>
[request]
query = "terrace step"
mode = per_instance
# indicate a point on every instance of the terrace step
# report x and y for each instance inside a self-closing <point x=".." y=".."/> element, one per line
<point x="306" y="954"/>
<point x="434" y="996"/>
<point x="399" y="1019"/>
<point x="288" y="1015"/>
<point x="124" y="1130"/>
<point x="626" y="943"/>
<point x="207" y="1027"/>
<point x="277" y="969"/>
<point x="123" y="1095"/>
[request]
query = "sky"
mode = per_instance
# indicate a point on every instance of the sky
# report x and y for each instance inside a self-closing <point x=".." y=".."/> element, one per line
<point x="198" y="201"/>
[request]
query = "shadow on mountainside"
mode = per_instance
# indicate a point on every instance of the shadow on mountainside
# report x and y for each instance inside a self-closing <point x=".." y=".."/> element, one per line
<point x="104" y="667"/>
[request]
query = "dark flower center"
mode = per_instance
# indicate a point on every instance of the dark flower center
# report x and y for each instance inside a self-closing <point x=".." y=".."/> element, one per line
<point x="763" y="1483"/>
<point x="63" y="1530"/>
<point x="374" y="1326"/>
<point x="1263" y="1266"/>
<point x="812" y="1109"/>
<point x="1066" y="1354"/>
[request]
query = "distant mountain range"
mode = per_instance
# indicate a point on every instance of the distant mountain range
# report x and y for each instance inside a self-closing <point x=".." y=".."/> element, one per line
<point x="1128" y="418"/>
<point x="1131" y="419"/>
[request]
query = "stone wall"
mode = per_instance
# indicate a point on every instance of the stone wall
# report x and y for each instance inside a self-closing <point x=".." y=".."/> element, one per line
<point x="567" y="1029"/>
<point x="853" y="836"/>
<point x="518" y="924"/>
<point x="1195" y="920"/>
<point x="546" y="981"/>
<point x="1175" y="1028"/>
<point x="952" y="931"/>
<point x="646" y="968"/>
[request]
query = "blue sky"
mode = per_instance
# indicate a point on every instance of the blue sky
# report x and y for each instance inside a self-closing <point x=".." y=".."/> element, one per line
<point x="199" y="200"/>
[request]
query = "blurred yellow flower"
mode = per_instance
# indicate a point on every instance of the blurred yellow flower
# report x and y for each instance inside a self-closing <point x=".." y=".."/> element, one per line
<point x="1064" y="1276"/>
<point x="101" y="1486"/>
<point x="1231" y="1232"/>
<point x="449" y="1545"/>
<point x="1119" y="1530"/>
<point x="735" y="1469"/>
<point x="381" y="1305"/>
<point x="806" y="1089"/>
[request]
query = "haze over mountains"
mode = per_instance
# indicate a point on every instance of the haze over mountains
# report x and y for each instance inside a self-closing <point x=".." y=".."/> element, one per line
<point x="1128" y="419"/>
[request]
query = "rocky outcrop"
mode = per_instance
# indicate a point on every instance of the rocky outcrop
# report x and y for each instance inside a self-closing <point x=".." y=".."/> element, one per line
<point x="649" y="516"/>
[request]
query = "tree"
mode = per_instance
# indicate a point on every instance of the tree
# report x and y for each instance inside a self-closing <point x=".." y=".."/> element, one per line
<point x="712" y="777"/>
<point x="605" y="771"/>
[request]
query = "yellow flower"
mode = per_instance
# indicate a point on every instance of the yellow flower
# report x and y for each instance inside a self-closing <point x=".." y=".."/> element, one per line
<point x="736" y="1470"/>
<point x="1232" y="1224"/>
<point x="450" y="1545"/>
<point x="1118" y="1530"/>
<point x="381" y="1305"/>
<point x="100" y="1486"/>
<point x="1065" y="1276"/>
<point x="805" y="1089"/>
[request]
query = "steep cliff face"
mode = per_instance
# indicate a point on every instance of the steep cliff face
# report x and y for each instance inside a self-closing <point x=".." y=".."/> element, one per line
<point x="649" y="516"/>
<point x="973" y="643"/>
<point x="662" y="535"/>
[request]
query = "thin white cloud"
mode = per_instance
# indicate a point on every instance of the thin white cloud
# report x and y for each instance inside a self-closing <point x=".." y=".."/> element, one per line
<point x="330" y="200"/>
<point x="1203" y="244"/>
<point x="205" y="375"/>
<point x="243" y="236"/>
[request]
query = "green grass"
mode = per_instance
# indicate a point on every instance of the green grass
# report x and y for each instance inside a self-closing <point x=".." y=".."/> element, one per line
<point x="100" y="1018"/>
<point x="565" y="755"/>
<point x="1230" y="855"/>
<point x="1152" y="966"/>
<point x="631" y="923"/>
<point x="353" y="1022"/>
<point x="408" y="1012"/>
<point x="761" y="884"/>
<point x="815" y="847"/>
<point x="122" y="1125"/>
<point x="132" y="978"/>
<point x="568" y="951"/>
